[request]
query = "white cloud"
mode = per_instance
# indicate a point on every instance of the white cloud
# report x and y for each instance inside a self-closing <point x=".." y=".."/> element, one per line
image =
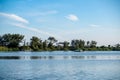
<point x="35" y="30"/>
<point x="72" y="17"/>
<point x="94" y="25"/>
<point x="14" y="17"/>
<point x="21" y="24"/>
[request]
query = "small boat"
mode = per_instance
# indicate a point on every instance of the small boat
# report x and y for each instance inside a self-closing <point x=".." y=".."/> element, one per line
<point x="79" y="50"/>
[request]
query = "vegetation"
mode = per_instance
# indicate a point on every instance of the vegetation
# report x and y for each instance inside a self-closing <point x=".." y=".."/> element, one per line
<point x="16" y="42"/>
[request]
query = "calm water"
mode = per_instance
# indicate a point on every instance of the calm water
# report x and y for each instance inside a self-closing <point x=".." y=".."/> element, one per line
<point x="58" y="65"/>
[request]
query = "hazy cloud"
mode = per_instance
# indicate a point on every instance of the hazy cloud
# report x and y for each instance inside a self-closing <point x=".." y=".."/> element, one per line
<point x="94" y="25"/>
<point x="48" y="12"/>
<point x="35" y="30"/>
<point x="72" y="17"/>
<point x="14" y="17"/>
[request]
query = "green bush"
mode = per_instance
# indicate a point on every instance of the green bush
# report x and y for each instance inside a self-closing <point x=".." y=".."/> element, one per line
<point x="3" y="48"/>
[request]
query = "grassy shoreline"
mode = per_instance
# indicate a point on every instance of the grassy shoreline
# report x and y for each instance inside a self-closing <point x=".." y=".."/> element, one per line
<point x="6" y="49"/>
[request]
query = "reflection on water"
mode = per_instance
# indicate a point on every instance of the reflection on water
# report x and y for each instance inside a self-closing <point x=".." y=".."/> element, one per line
<point x="9" y="57"/>
<point x="62" y="57"/>
<point x="59" y="66"/>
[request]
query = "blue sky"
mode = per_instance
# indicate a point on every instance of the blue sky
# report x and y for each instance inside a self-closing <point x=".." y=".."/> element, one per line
<point x="97" y="20"/>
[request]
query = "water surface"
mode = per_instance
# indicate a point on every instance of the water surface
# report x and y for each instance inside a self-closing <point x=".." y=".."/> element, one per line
<point x="59" y="65"/>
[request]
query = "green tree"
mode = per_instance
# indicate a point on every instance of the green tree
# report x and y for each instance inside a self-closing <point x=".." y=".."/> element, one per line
<point x="93" y="44"/>
<point x="1" y="44"/>
<point x="51" y="40"/>
<point x="117" y="47"/>
<point x="73" y="43"/>
<point x="45" y="45"/>
<point x="65" y="45"/>
<point x="77" y="44"/>
<point x="81" y="44"/>
<point x="12" y="40"/>
<point x="36" y="43"/>
<point x="88" y="44"/>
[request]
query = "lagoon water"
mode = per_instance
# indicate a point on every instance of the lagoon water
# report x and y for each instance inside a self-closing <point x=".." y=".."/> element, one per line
<point x="60" y="65"/>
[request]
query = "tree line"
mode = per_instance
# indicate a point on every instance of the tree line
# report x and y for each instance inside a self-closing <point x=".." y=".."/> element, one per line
<point x="16" y="42"/>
